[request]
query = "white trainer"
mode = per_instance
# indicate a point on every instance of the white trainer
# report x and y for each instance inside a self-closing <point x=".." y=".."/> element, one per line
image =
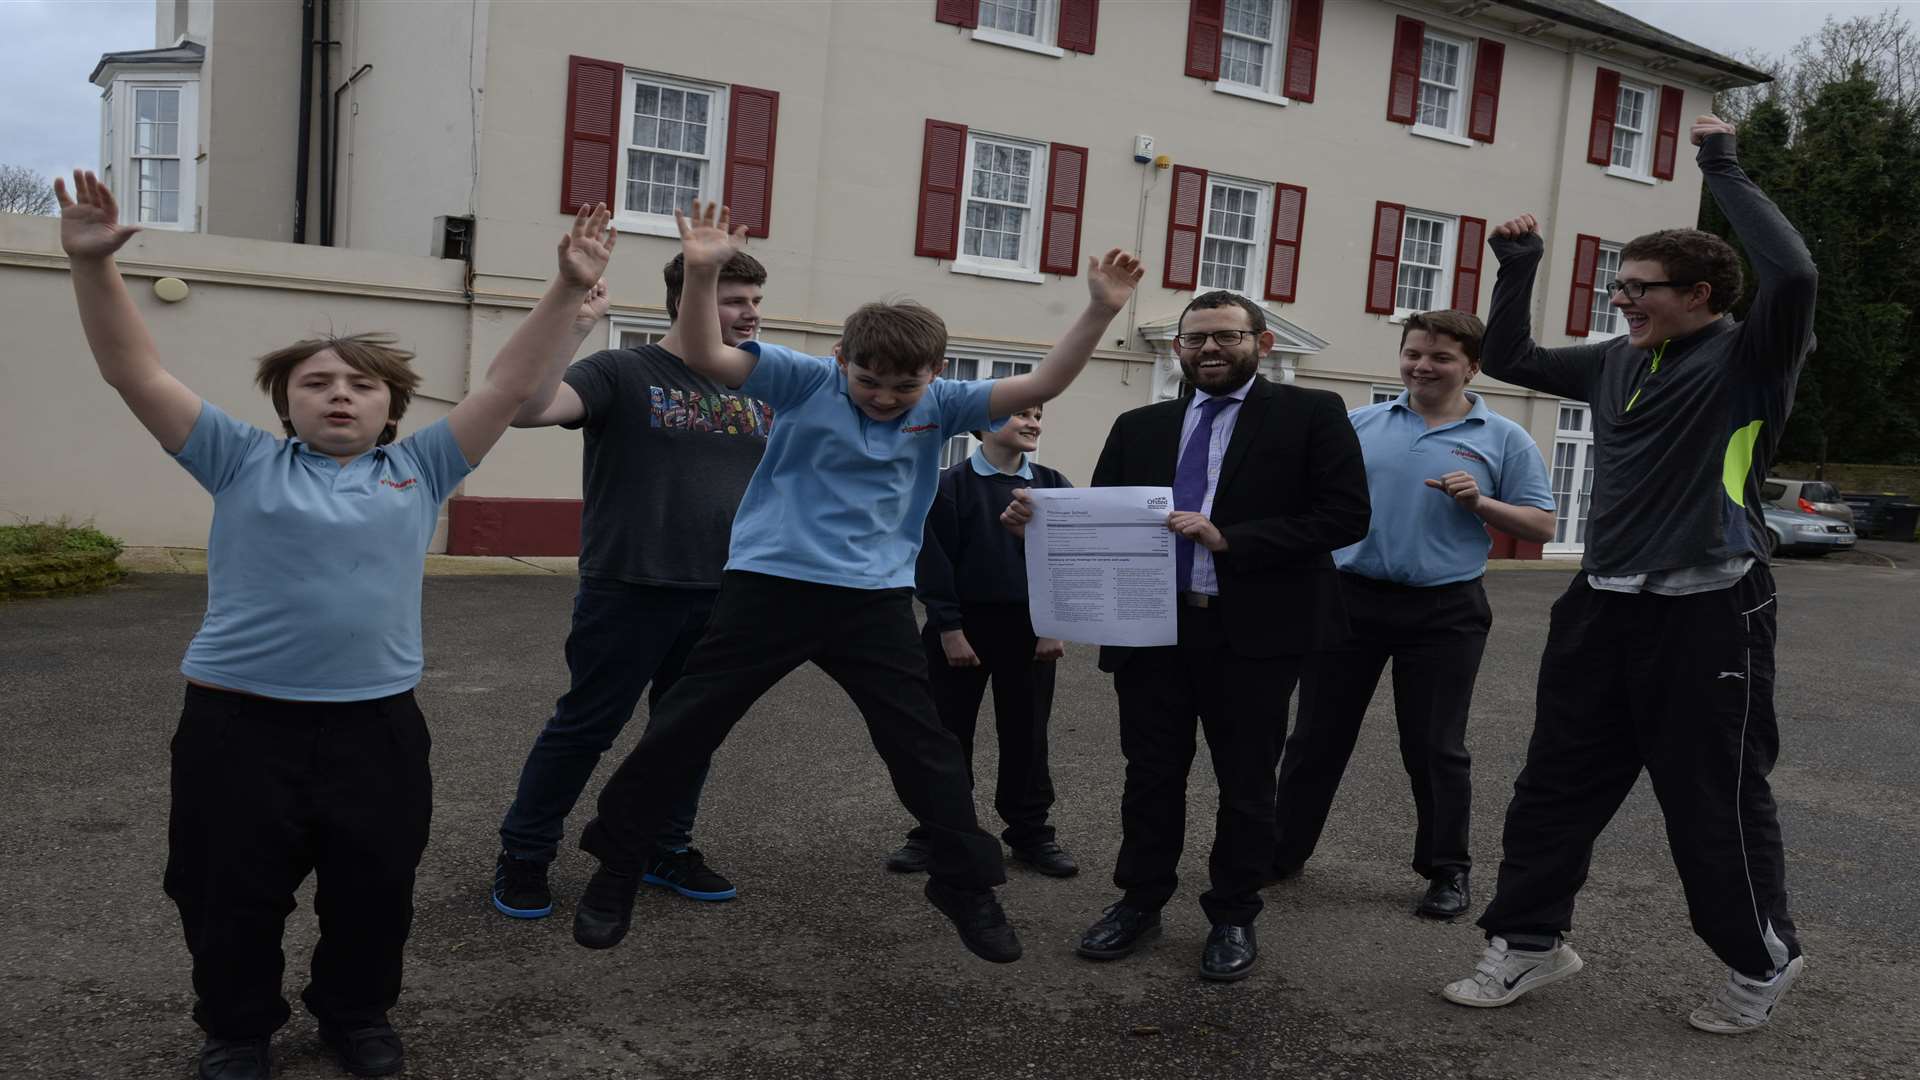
<point x="1503" y="974"/>
<point x="1743" y="1004"/>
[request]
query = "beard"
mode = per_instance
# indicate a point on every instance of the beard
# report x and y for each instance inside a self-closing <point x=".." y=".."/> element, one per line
<point x="1241" y="364"/>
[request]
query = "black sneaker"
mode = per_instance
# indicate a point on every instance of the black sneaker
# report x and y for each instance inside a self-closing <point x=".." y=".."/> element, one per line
<point x="605" y="909"/>
<point x="520" y="888"/>
<point x="912" y="857"/>
<point x="235" y="1059"/>
<point x="687" y="873"/>
<point x="980" y="920"/>
<point x="367" y="1051"/>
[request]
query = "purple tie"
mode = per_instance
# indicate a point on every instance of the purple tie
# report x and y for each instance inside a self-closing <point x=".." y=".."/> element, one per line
<point x="1190" y="485"/>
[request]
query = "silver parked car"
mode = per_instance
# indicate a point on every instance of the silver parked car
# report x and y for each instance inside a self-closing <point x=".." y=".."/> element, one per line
<point x="1812" y="534"/>
<point x="1806" y="496"/>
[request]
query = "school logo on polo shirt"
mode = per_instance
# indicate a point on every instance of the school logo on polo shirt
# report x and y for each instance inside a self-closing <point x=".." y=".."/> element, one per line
<point x="1469" y="453"/>
<point x="919" y="429"/>
<point x="400" y="485"/>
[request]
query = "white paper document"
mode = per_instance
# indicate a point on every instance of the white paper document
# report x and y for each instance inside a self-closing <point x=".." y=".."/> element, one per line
<point x="1100" y="565"/>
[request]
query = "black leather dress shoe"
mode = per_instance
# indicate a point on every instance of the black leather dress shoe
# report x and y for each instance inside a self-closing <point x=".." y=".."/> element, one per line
<point x="1121" y="930"/>
<point x="979" y="918"/>
<point x="1448" y="896"/>
<point x="235" y="1059"/>
<point x="1230" y="954"/>
<point x="367" y="1051"/>
<point x="605" y="910"/>
<point x="1047" y="857"/>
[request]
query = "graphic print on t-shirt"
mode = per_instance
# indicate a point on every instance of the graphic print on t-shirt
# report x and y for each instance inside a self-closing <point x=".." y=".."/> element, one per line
<point x="727" y="414"/>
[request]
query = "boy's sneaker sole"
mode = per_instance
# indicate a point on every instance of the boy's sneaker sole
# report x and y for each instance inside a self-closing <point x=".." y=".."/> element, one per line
<point x="1527" y="983"/>
<point x="691" y="894"/>
<point x="521" y="913"/>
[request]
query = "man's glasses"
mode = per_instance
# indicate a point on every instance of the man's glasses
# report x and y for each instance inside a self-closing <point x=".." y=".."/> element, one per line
<point x="1634" y="290"/>
<point x="1226" y="339"/>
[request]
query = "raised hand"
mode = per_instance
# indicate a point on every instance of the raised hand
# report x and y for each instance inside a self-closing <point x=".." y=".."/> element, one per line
<point x="1112" y="277"/>
<point x="705" y="236"/>
<point x="90" y="220"/>
<point x="592" y="308"/>
<point x="1708" y="124"/>
<point x="587" y="247"/>
<point x="1517" y="227"/>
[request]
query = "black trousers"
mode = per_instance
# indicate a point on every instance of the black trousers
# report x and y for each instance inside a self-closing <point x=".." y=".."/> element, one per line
<point x="1002" y="637"/>
<point x="266" y="792"/>
<point x="1435" y="637"/>
<point x="1241" y="703"/>
<point x="763" y="627"/>
<point x="1683" y="687"/>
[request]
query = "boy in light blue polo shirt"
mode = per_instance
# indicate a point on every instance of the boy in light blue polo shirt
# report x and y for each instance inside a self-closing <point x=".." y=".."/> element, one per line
<point x="300" y="749"/>
<point x="822" y="570"/>
<point x="1441" y="469"/>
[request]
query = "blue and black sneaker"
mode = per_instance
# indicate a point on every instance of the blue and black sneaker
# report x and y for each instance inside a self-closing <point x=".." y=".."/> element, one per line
<point x="687" y="873"/>
<point x="520" y="888"/>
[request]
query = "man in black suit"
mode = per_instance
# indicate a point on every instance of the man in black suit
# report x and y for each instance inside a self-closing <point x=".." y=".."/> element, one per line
<point x="1267" y="481"/>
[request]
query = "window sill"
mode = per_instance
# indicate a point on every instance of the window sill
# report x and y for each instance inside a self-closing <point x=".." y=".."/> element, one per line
<point x="1628" y="174"/>
<point x="1439" y="135"/>
<point x="1014" y="41"/>
<point x="1004" y="273"/>
<point x="1243" y="91"/>
<point x="647" y="224"/>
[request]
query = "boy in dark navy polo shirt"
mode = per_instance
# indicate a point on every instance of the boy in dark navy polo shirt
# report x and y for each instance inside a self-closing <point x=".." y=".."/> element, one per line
<point x="300" y="749"/>
<point x="972" y="577"/>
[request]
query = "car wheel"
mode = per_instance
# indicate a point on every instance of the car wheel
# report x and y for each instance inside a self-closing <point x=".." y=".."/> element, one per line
<point x="1773" y="543"/>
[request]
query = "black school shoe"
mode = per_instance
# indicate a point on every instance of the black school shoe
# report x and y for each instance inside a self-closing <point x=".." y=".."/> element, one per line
<point x="369" y="1051"/>
<point x="912" y="857"/>
<point x="1230" y="954"/>
<point x="605" y="909"/>
<point x="979" y="918"/>
<point x="1448" y="896"/>
<point x="1120" y="930"/>
<point x="235" y="1059"/>
<point x="1047" y="857"/>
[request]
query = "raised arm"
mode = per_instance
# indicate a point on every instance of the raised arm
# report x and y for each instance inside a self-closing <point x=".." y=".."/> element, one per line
<point x="1508" y="352"/>
<point x="1110" y="281"/>
<point x="555" y="402"/>
<point x="90" y="232"/>
<point x="708" y="242"/>
<point x="537" y="348"/>
<point x="1779" y="326"/>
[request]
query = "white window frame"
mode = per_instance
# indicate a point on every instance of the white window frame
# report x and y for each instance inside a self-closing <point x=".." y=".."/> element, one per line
<point x="1454" y="130"/>
<point x="1641" y="168"/>
<point x="653" y="328"/>
<point x="1043" y="40"/>
<point x="1272" y="79"/>
<point x="1602" y="300"/>
<point x="1262" y="235"/>
<point x="117" y="105"/>
<point x="1027" y="267"/>
<point x="1381" y="393"/>
<point x="1443" y="286"/>
<point x="713" y="178"/>
<point x="1573" y="456"/>
<point x="965" y="365"/>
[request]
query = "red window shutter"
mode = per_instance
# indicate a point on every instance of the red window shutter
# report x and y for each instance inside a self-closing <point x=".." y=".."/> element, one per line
<point x="1672" y="100"/>
<point x="1303" y="49"/>
<point x="1489" y="58"/>
<point x="1403" y="85"/>
<point x="1586" y="254"/>
<point x="943" y="164"/>
<point x="1066" y="190"/>
<point x="1283" y="258"/>
<point x="1466" y="264"/>
<point x="958" y="12"/>
<point x="1606" y="99"/>
<point x="1205" y="18"/>
<point x="1185" y="208"/>
<point x="752" y="117"/>
<point x="1079" y="25"/>
<point x="593" y="133"/>
<point x="1383" y="271"/>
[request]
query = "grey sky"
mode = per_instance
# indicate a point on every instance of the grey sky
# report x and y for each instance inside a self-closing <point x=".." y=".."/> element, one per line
<point x="50" y="114"/>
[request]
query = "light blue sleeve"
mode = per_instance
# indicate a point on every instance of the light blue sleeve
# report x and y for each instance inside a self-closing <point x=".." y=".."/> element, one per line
<point x="783" y="378"/>
<point x="963" y="405"/>
<point x="436" y="454"/>
<point x="1523" y="474"/>
<point x="219" y="446"/>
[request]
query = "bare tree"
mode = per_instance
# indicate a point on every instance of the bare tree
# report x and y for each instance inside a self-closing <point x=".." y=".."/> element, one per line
<point x="23" y="191"/>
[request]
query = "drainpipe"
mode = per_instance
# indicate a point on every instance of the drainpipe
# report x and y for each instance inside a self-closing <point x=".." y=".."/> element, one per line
<point x="325" y="42"/>
<point x="306" y="123"/>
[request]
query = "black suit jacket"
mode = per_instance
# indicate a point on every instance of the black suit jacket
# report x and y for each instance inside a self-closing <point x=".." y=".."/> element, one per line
<point x="1292" y="488"/>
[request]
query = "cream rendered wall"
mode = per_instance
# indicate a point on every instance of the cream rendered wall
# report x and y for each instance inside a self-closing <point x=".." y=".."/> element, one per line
<point x="250" y="107"/>
<point x="73" y="448"/>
